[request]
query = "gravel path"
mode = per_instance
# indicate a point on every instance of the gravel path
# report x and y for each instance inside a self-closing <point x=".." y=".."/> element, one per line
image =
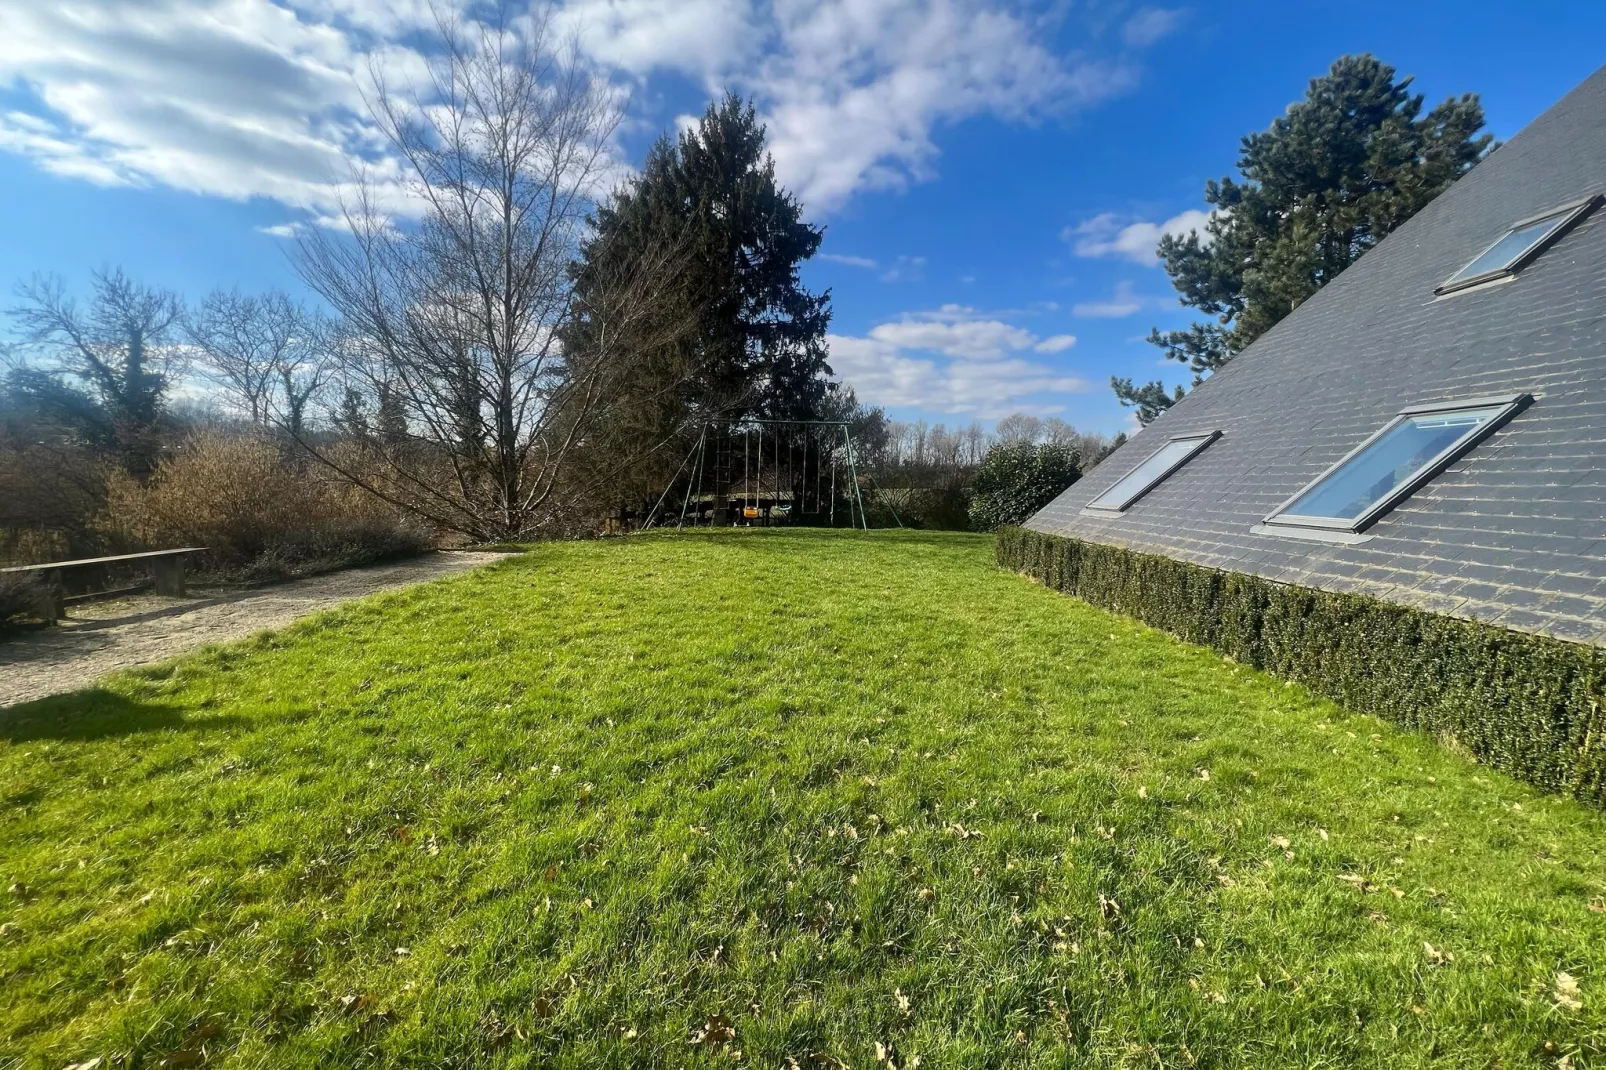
<point x="102" y="637"/>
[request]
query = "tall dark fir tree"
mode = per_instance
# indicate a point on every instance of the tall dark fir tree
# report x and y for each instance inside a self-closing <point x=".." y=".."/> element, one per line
<point x="1330" y="179"/>
<point x="759" y="343"/>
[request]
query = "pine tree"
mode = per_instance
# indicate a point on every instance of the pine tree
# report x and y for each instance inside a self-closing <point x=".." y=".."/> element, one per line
<point x="759" y="345"/>
<point x="1150" y="399"/>
<point x="1329" y="180"/>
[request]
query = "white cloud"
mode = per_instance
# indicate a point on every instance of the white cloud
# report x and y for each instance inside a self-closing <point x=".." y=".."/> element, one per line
<point x="974" y="340"/>
<point x="1149" y="25"/>
<point x="705" y="39"/>
<point x="854" y="88"/>
<point x="905" y="269"/>
<point x="1105" y="235"/>
<point x="1124" y="302"/>
<point x="227" y="98"/>
<point x="851" y="261"/>
<point x="281" y="230"/>
<point x="259" y="98"/>
<point x="952" y="360"/>
<point x="950" y="313"/>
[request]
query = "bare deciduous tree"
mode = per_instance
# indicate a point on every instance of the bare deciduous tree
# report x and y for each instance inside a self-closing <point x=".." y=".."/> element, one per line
<point x="119" y="348"/>
<point x="454" y="320"/>
<point x="1018" y="428"/>
<point x="268" y="354"/>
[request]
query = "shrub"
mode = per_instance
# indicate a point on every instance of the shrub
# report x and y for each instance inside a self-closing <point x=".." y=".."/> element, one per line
<point x="260" y="514"/>
<point x="49" y="497"/>
<point x="1526" y="704"/>
<point x="19" y="598"/>
<point x="1015" y="481"/>
<point x="932" y="508"/>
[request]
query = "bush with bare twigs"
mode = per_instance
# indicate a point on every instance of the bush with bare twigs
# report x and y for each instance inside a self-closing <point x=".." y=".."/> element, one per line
<point x="261" y="514"/>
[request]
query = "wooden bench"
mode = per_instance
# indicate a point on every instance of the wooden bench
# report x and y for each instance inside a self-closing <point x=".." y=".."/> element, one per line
<point x="165" y="569"/>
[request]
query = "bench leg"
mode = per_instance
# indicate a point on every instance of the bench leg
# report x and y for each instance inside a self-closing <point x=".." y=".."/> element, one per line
<point x="168" y="576"/>
<point x="52" y="605"/>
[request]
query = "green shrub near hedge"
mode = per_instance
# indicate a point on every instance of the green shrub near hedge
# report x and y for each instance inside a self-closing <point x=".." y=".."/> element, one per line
<point x="1525" y="704"/>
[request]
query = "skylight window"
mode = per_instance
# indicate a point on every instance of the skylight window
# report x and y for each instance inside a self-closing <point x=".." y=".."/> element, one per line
<point x="1519" y="245"/>
<point x="1410" y="450"/>
<point x="1148" y="474"/>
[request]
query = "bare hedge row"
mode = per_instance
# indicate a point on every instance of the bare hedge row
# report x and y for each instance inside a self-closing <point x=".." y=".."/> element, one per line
<point x="1526" y="704"/>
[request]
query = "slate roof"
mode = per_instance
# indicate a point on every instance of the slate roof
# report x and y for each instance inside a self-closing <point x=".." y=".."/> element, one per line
<point x="1514" y="532"/>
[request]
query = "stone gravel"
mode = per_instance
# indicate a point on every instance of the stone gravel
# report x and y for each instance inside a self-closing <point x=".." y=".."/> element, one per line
<point x="103" y="637"/>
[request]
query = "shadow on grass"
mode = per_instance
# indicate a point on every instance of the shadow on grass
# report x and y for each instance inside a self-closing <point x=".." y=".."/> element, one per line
<point x="98" y="714"/>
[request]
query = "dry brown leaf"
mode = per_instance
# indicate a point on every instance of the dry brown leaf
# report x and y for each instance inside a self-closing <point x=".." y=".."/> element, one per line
<point x="1568" y="997"/>
<point x="717" y="1029"/>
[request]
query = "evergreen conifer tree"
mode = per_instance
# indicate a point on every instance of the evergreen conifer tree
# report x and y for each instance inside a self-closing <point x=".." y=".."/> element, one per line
<point x="1329" y="180"/>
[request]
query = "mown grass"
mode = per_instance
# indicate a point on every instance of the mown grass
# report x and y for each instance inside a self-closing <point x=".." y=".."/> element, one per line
<point x="770" y="799"/>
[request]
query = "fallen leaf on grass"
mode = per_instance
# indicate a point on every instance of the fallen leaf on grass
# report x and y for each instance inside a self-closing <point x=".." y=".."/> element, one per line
<point x="193" y="1053"/>
<point x="885" y="1056"/>
<point x="1568" y="997"/>
<point x="717" y="1029"/>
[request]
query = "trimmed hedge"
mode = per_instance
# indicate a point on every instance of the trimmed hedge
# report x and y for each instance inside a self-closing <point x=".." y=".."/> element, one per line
<point x="1525" y="704"/>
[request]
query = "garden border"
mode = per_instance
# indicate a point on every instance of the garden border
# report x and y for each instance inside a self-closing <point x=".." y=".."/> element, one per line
<point x="1529" y="705"/>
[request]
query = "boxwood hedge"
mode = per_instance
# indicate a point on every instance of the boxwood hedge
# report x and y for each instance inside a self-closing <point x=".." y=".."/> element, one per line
<point x="1526" y="704"/>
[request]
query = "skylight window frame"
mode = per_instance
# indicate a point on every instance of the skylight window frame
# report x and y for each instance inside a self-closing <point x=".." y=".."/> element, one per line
<point x="1573" y="212"/>
<point x="1510" y="405"/>
<point x="1200" y="442"/>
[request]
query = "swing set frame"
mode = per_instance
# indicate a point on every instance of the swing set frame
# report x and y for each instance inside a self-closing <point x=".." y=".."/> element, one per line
<point x="820" y="442"/>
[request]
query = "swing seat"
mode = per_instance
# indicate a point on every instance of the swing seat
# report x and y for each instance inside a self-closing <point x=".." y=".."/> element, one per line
<point x="750" y="512"/>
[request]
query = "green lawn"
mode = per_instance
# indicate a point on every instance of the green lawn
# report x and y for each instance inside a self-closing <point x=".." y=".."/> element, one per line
<point x="772" y="799"/>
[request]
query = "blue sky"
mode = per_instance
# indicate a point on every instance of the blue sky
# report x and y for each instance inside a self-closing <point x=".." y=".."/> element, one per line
<point x="992" y="174"/>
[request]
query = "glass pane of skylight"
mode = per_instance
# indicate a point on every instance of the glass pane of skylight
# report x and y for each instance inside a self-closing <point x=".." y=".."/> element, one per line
<point x="1503" y="253"/>
<point x="1130" y="486"/>
<point x="1390" y="461"/>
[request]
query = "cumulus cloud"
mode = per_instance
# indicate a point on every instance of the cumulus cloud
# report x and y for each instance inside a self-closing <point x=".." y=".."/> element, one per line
<point x="954" y="360"/>
<point x="973" y="340"/>
<point x="227" y="98"/>
<point x="1107" y="235"/>
<point x="261" y="98"/>
<point x="854" y="88"/>
<point x="703" y="39"/>
<point x="1149" y="25"/>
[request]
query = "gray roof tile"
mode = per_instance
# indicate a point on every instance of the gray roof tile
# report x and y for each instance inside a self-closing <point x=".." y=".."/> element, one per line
<point x="1520" y="516"/>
